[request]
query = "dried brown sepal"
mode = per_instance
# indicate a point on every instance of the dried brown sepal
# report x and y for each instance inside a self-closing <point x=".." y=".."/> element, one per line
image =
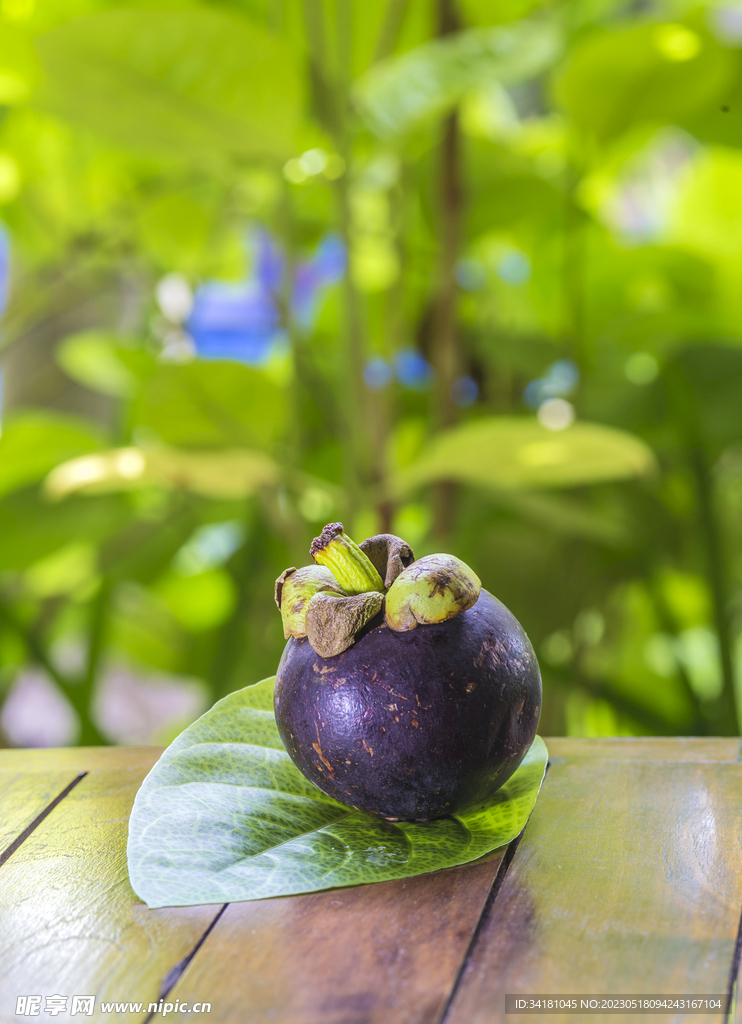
<point x="388" y="554"/>
<point x="333" y="623"/>
<point x="297" y="588"/>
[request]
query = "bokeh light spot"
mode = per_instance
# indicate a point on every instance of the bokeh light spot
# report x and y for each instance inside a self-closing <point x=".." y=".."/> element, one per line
<point x="641" y="368"/>
<point x="377" y="373"/>
<point x="514" y="267"/>
<point x="174" y="297"/>
<point x="464" y="392"/>
<point x="413" y="370"/>
<point x="471" y="274"/>
<point x="556" y="414"/>
<point x="10" y="178"/>
<point x="677" y="43"/>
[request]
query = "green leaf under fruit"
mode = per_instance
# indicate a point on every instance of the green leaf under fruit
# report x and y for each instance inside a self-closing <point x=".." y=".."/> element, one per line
<point x="224" y="815"/>
<point x="514" y="452"/>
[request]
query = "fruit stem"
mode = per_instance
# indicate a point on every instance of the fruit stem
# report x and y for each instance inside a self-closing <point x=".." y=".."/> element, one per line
<point x="350" y="566"/>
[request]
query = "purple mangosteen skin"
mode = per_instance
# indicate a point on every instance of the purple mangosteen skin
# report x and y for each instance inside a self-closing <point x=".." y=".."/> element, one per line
<point x="413" y="725"/>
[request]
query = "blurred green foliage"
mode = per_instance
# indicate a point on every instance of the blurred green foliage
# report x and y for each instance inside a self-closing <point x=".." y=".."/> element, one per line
<point x="533" y="360"/>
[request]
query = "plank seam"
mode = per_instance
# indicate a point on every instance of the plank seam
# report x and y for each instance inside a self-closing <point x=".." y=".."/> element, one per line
<point x="174" y="974"/>
<point x="486" y="909"/>
<point x="29" y="829"/>
<point x="488" y="904"/>
<point x="734" y="970"/>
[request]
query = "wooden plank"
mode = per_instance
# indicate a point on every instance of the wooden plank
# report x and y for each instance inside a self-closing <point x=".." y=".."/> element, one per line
<point x="71" y="924"/>
<point x="628" y="879"/>
<point x="655" y="748"/>
<point x="628" y="862"/>
<point x="78" y="759"/>
<point x="377" y="954"/>
<point x="24" y="795"/>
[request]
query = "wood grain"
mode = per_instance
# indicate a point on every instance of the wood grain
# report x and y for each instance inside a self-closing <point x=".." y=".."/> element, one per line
<point x="377" y="954"/>
<point x="628" y="879"/>
<point x="70" y="922"/>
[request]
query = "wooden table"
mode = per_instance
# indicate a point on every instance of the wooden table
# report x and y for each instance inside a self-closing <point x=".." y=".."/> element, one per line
<point x="626" y="880"/>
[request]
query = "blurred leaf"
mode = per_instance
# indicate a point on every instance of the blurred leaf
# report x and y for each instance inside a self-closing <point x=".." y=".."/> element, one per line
<point x="687" y="596"/>
<point x="644" y="72"/>
<point x="710" y="376"/>
<point x="18" y="66"/>
<point x="33" y="443"/>
<point x="707" y="217"/>
<point x="194" y="82"/>
<point x="622" y="658"/>
<point x="720" y="122"/>
<point x="32" y="528"/>
<point x="144" y="549"/>
<point x="65" y="571"/>
<point x="199" y="602"/>
<point x="509" y="452"/>
<point x="224" y="815"/>
<point x="145" y="631"/>
<point x="212" y="403"/>
<point x="178" y="230"/>
<point x="91" y="359"/>
<point x="567" y="517"/>
<point x="400" y="93"/>
<point x="484" y="12"/>
<point x="219" y="474"/>
<point x="503" y="200"/>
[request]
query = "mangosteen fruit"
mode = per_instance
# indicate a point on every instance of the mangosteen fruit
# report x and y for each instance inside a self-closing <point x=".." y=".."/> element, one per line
<point x="405" y="689"/>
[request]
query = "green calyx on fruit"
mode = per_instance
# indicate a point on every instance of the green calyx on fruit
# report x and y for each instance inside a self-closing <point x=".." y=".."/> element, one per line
<point x="350" y="566"/>
<point x="433" y="589"/>
<point x="295" y="590"/>
<point x="334" y="601"/>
